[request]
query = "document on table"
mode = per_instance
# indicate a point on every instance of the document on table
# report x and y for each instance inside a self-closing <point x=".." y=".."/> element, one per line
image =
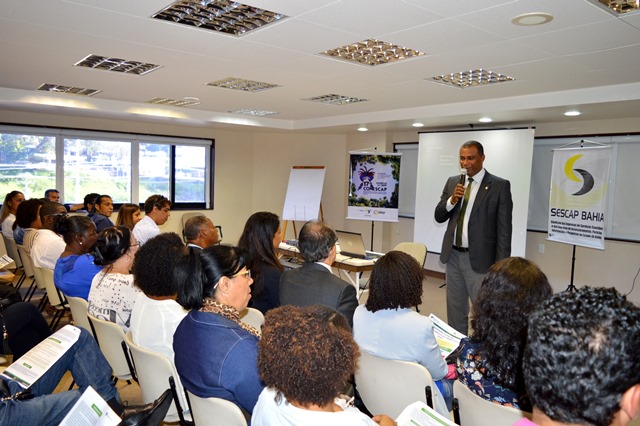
<point x="32" y="365"/>
<point x="447" y="337"/>
<point x="420" y="414"/>
<point x="91" y="409"/>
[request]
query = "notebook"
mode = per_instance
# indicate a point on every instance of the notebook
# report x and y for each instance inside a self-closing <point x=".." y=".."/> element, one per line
<point x="352" y="245"/>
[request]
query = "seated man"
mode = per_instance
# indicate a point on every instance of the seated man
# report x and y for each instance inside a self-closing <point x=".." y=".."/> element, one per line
<point x="200" y="232"/>
<point x="314" y="283"/>
<point x="53" y="195"/>
<point x="89" y="368"/>
<point x="156" y="210"/>
<point x="581" y="363"/>
<point x="47" y="245"/>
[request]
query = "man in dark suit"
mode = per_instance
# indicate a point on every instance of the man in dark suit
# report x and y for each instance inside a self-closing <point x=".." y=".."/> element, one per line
<point x="200" y="232"/>
<point x="314" y="283"/>
<point x="475" y="238"/>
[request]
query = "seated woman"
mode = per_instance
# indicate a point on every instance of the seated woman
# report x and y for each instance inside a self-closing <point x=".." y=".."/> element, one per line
<point x="306" y="357"/>
<point x="158" y="309"/>
<point x="112" y="293"/>
<point x="129" y="215"/>
<point x="261" y="237"/>
<point x="102" y="210"/>
<point x="388" y="327"/>
<point x="8" y="212"/>
<point x="490" y="360"/>
<point x="216" y="353"/>
<point x="27" y="223"/>
<point x="75" y="269"/>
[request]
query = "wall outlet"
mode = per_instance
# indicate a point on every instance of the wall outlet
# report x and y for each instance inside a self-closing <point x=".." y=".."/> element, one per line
<point x="541" y="248"/>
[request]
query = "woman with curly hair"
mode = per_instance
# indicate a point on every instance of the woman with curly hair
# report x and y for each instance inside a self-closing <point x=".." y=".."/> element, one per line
<point x="388" y="327"/>
<point x="306" y="357"/>
<point x="159" y="308"/>
<point x="113" y="295"/>
<point x="215" y="353"/>
<point x="75" y="268"/>
<point x="128" y="215"/>
<point x="261" y="237"/>
<point x="490" y="360"/>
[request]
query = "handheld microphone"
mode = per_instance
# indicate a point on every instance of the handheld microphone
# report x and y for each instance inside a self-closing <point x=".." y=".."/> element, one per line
<point x="463" y="176"/>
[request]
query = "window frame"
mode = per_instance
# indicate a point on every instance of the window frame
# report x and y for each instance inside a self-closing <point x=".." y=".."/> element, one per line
<point x="135" y="139"/>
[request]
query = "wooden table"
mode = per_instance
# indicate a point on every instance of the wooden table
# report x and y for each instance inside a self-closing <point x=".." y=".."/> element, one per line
<point x="351" y="267"/>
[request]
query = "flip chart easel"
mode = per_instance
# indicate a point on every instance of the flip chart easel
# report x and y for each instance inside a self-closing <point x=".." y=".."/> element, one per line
<point x="304" y="193"/>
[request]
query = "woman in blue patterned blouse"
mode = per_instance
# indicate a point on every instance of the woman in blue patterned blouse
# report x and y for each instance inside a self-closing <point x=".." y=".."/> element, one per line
<point x="490" y="360"/>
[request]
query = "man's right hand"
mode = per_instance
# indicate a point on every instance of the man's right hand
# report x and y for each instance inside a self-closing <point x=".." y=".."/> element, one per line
<point x="458" y="193"/>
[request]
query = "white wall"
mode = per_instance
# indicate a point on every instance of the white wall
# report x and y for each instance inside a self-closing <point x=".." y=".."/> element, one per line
<point x="252" y="170"/>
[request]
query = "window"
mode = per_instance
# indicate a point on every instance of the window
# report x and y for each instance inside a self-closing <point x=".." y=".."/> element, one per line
<point x="128" y="167"/>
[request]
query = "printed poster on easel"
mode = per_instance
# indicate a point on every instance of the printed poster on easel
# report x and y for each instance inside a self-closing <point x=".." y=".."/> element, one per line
<point x="578" y="196"/>
<point x="304" y="192"/>
<point x="374" y="185"/>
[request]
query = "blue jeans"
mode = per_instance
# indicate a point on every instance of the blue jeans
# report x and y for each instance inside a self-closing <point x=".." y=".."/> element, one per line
<point x="446" y="389"/>
<point x="88" y="367"/>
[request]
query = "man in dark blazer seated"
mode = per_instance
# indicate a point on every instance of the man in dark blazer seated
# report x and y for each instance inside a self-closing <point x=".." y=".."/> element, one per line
<point x="475" y="238"/>
<point x="314" y="283"/>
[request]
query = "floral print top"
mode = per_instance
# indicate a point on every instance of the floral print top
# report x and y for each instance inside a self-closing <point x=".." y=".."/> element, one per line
<point x="474" y="377"/>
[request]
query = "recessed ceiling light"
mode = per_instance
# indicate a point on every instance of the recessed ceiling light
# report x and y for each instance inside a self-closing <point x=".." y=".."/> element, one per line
<point x="372" y="52"/>
<point x="418" y="125"/>
<point x="184" y="102"/>
<point x="242" y="84"/>
<point x="618" y="7"/>
<point x="485" y="119"/>
<point x="471" y="78"/>
<point x="362" y="129"/>
<point x="253" y="111"/>
<point x="223" y="16"/>
<point x="117" y="65"/>
<point x="334" y="99"/>
<point x="68" y="89"/>
<point x="572" y="113"/>
<point x="532" y="19"/>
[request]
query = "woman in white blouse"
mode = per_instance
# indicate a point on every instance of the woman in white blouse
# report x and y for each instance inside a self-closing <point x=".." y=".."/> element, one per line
<point x="112" y="293"/>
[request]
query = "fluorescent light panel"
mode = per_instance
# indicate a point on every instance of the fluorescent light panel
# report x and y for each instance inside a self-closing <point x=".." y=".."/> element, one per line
<point x="70" y="90"/>
<point x="372" y="52"/>
<point x="243" y="85"/>
<point x="117" y="65"/>
<point x="620" y="7"/>
<point x="335" y="99"/>
<point x="471" y="78"/>
<point x="186" y="102"/>
<point x="254" y="112"/>
<point x="222" y="16"/>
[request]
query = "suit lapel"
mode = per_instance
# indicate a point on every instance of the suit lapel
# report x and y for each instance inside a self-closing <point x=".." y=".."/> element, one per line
<point x="484" y="188"/>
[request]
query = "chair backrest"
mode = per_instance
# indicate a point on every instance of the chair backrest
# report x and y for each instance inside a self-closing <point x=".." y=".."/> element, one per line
<point x="253" y="317"/>
<point x="186" y="217"/>
<point x="153" y="370"/>
<point x="55" y="297"/>
<point x="79" y="312"/>
<point x="26" y="261"/>
<point x="12" y="250"/>
<point x="37" y="276"/>
<point x="473" y="410"/>
<point x="417" y="250"/>
<point x="110" y="337"/>
<point x="215" y="412"/>
<point x="387" y="386"/>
